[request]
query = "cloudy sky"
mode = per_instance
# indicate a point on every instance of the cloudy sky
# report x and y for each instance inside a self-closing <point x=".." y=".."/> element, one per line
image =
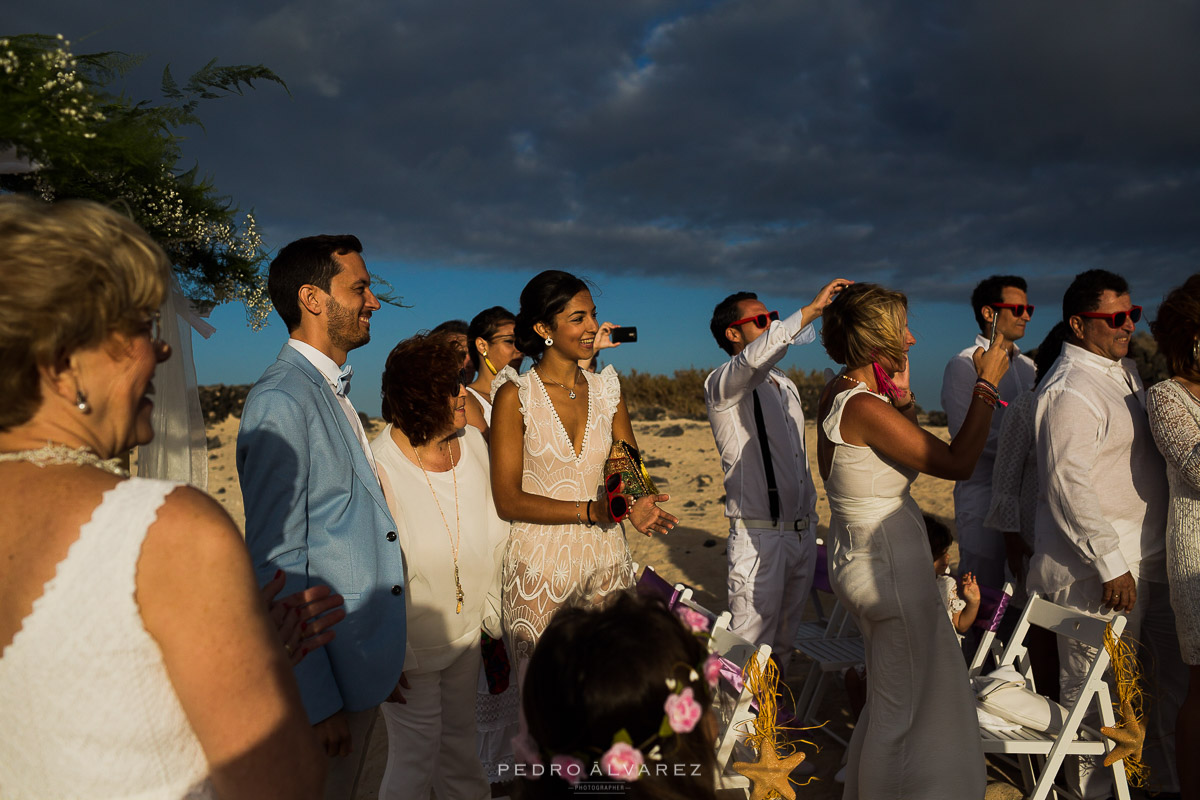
<point x="677" y="151"/>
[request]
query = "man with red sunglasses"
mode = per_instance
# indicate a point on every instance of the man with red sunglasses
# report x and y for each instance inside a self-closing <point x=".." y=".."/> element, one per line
<point x="999" y="302"/>
<point x="758" y="423"/>
<point x="1101" y="520"/>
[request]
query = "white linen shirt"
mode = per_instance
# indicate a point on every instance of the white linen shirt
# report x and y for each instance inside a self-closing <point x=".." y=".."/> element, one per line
<point x="728" y="394"/>
<point x="1102" y="484"/>
<point x="331" y="372"/>
<point x="973" y="496"/>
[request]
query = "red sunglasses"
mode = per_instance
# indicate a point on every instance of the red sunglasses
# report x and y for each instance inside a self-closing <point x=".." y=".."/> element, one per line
<point x="1018" y="309"/>
<point x="1116" y="319"/>
<point x="761" y="320"/>
<point x="618" y="504"/>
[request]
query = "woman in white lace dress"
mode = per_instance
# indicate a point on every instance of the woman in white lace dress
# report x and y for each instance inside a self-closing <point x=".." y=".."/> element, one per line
<point x="137" y="660"/>
<point x="1174" y="409"/>
<point x="552" y="429"/>
<point x="870" y="450"/>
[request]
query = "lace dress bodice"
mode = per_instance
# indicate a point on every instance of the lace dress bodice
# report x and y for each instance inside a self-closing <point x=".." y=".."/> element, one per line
<point x="547" y="566"/>
<point x="86" y="706"/>
<point x="1175" y="422"/>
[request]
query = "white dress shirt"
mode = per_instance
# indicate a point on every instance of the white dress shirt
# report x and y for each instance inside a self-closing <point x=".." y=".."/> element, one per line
<point x="973" y="495"/>
<point x="1102" y="496"/>
<point x="728" y="394"/>
<point x="331" y="372"/>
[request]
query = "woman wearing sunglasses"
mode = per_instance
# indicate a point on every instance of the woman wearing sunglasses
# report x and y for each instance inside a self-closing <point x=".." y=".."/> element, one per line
<point x="434" y="470"/>
<point x="870" y="450"/>
<point x="552" y="429"/>
<point x="492" y="347"/>
<point x="1174" y="410"/>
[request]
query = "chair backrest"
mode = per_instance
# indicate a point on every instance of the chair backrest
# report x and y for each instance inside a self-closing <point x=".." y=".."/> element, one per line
<point x="733" y="699"/>
<point x="651" y="584"/>
<point x="1067" y="622"/>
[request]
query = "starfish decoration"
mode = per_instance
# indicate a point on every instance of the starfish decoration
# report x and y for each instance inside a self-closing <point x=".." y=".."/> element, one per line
<point x="770" y="773"/>
<point x="1129" y="737"/>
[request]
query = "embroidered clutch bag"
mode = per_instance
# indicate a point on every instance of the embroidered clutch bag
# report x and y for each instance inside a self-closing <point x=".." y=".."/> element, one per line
<point x="625" y="459"/>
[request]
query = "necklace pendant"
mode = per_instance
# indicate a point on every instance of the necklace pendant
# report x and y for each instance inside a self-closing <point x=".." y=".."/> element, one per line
<point x="571" y="395"/>
<point x="459" y="609"/>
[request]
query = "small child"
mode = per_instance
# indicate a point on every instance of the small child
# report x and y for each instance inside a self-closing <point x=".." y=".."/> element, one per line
<point x="962" y="610"/>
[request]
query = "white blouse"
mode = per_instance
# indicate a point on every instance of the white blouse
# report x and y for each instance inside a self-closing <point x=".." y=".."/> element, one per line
<point x="437" y="633"/>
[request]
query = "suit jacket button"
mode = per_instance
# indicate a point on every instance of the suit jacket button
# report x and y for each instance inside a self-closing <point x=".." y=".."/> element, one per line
<point x="397" y="589"/>
<point x="391" y="536"/>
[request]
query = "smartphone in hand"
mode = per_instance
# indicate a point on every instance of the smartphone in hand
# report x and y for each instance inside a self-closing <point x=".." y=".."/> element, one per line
<point x="625" y="333"/>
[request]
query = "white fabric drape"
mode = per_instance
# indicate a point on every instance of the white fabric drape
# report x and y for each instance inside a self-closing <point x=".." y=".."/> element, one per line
<point x="179" y="451"/>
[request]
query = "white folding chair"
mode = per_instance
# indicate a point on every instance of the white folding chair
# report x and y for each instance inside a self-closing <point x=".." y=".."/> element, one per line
<point x="840" y="647"/>
<point x="732" y="703"/>
<point x="1041" y="755"/>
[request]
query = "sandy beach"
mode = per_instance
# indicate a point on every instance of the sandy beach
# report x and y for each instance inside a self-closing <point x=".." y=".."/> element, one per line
<point x="683" y="461"/>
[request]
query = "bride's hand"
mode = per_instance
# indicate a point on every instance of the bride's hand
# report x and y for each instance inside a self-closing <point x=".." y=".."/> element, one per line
<point x="648" y="518"/>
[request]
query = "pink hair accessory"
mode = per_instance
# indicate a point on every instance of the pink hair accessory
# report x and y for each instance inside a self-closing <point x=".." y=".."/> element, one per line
<point x="712" y="670"/>
<point x="886" y="384"/>
<point x="683" y="712"/>
<point x="622" y="761"/>
<point x="569" y="768"/>
<point x="696" y="622"/>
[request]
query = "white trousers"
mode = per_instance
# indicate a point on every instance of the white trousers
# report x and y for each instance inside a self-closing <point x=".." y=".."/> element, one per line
<point x="1152" y="625"/>
<point x="770" y="575"/>
<point x="432" y="737"/>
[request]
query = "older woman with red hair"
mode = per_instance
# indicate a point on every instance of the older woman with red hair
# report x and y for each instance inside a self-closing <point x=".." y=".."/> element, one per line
<point x="1174" y="410"/>
<point x="435" y="475"/>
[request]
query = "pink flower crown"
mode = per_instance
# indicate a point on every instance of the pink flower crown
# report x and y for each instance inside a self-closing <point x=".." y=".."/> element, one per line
<point x="623" y="761"/>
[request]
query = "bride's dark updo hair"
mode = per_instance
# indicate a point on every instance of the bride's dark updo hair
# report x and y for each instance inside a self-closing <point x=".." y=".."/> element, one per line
<point x="542" y="299"/>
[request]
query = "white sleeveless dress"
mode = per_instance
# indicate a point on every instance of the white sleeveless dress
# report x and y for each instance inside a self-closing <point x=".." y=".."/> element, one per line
<point x="548" y="566"/>
<point x="918" y="696"/>
<point x="86" y="706"/>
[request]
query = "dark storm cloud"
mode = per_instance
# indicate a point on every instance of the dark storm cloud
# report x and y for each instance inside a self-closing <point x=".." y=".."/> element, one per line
<point x="919" y="144"/>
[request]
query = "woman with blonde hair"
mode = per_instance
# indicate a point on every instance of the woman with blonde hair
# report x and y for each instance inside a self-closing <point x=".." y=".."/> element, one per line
<point x="870" y="450"/>
<point x="137" y="660"/>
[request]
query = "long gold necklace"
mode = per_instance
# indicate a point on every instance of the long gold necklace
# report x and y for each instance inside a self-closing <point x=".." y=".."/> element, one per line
<point x="454" y="540"/>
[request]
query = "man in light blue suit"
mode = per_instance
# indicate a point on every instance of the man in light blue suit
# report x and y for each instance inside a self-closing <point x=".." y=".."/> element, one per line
<point x="314" y="506"/>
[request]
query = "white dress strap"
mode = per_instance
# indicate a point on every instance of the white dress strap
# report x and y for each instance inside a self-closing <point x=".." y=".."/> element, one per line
<point x="832" y="425"/>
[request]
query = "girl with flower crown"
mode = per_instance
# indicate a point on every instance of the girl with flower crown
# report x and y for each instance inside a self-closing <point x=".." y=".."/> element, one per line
<point x="619" y="695"/>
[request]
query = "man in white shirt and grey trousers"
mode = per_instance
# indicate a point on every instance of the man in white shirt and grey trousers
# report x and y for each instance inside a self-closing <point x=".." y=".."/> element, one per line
<point x="772" y="531"/>
<point x="1101" y="517"/>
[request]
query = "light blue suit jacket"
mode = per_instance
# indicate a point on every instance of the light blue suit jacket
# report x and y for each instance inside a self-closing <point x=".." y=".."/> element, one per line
<point x="315" y="510"/>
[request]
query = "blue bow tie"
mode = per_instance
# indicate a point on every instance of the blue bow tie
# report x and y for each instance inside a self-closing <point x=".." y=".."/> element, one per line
<point x="343" y="381"/>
